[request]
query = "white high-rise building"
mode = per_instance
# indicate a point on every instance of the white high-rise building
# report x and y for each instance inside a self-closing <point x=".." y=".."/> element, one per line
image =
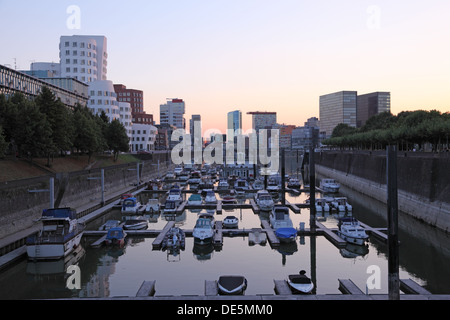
<point x="173" y="113"/>
<point x="103" y="97"/>
<point x="84" y="58"/>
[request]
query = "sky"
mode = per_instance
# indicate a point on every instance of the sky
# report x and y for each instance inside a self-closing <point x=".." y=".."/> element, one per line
<point x="249" y="55"/>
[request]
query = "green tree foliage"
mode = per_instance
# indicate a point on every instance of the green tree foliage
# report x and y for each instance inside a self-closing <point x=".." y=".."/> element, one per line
<point x="44" y="126"/>
<point x="3" y="143"/>
<point x="342" y="130"/>
<point x="59" y="118"/>
<point x="407" y="129"/>
<point x="117" y="138"/>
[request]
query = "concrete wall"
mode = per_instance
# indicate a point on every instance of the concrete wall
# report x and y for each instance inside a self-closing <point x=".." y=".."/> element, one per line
<point x="19" y="208"/>
<point x="423" y="182"/>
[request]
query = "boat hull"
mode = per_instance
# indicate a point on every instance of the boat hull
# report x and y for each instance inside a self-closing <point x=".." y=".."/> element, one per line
<point x="53" y="251"/>
<point x="351" y="239"/>
<point x="232" y="285"/>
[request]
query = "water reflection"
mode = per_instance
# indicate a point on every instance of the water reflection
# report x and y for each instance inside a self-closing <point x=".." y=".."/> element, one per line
<point x="112" y="271"/>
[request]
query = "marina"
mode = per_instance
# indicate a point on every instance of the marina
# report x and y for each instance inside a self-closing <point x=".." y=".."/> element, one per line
<point x="149" y="272"/>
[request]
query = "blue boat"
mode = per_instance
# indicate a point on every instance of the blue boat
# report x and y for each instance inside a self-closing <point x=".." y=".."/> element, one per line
<point x="286" y="234"/>
<point x="116" y="236"/>
<point x="130" y="205"/>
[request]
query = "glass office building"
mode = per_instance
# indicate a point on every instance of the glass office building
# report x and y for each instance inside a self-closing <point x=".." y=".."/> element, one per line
<point x="371" y="104"/>
<point x="337" y="108"/>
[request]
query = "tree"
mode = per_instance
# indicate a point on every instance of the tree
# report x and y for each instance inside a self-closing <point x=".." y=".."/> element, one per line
<point x="3" y="144"/>
<point x="87" y="133"/>
<point x="117" y="138"/>
<point x="343" y="129"/>
<point x="58" y="116"/>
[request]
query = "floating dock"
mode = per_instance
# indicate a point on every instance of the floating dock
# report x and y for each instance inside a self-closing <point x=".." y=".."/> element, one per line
<point x="159" y="239"/>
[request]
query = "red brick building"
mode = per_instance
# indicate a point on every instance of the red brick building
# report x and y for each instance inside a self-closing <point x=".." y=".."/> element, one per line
<point x="136" y="100"/>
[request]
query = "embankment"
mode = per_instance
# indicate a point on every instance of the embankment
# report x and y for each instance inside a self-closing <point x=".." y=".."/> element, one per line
<point x="423" y="181"/>
<point x="20" y="207"/>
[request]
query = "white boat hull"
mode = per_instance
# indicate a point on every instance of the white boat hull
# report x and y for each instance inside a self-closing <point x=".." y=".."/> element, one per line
<point x="53" y="251"/>
<point x="301" y="288"/>
<point x="353" y="240"/>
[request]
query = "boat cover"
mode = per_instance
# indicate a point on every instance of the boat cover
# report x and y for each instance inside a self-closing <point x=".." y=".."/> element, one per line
<point x="286" y="232"/>
<point x="115" y="233"/>
<point x="299" y="279"/>
<point x="231" y="283"/>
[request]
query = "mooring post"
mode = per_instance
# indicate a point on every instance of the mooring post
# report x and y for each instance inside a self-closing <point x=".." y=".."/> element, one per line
<point x="283" y="182"/>
<point x="312" y="190"/>
<point x="52" y="193"/>
<point x="392" y="208"/>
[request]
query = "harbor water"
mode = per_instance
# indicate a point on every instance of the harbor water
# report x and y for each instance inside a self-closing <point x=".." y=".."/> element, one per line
<point x="119" y="272"/>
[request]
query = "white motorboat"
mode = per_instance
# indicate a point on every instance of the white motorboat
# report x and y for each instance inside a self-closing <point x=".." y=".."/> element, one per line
<point x="135" y="223"/>
<point x="210" y="197"/>
<point x="322" y="205"/>
<point x="170" y="175"/>
<point x="175" y="195"/>
<point x="300" y="283"/>
<point x="130" y="206"/>
<point x="241" y="186"/>
<point x="223" y="185"/>
<point x="59" y="236"/>
<point x="273" y="184"/>
<point x="329" y="185"/>
<point x="152" y="206"/>
<point x="280" y="221"/>
<point x="170" y="206"/>
<point x="203" y="232"/>
<point x="232" y="285"/>
<point x="341" y="204"/>
<point x="230" y="222"/>
<point x="264" y="200"/>
<point x="351" y="231"/>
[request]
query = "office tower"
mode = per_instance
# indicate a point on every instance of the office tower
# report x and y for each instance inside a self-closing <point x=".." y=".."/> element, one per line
<point x="84" y="58"/>
<point x="234" y="120"/>
<point x="263" y="120"/>
<point x="337" y="108"/>
<point x="195" y="118"/>
<point x="172" y="113"/>
<point x="371" y="104"/>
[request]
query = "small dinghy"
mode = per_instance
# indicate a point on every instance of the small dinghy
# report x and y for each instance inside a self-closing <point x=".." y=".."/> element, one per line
<point x="300" y="283"/>
<point x="230" y="222"/>
<point x="232" y="285"/>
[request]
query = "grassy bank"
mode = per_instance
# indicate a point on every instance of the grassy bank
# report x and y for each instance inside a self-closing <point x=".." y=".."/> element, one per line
<point x="21" y="168"/>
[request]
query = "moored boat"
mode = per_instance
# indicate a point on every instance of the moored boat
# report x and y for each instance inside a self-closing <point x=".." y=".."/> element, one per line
<point x="351" y="231"/>
<point x="116" y="236"/>
<point x="329" y="185"/>
<point x="130" y="205"/>
<point x="175" y="240"/>
<point x="232" y="285"/>
<point x="280" y="221"/>
<point x="264" y="200"/>
<point x="136" y="223"/>
<point x="341" y="204"/>
<point x="300" y="283"/>
<point x="230" y="222"/>
<point x="203" y="231"/>
<point x="195" y="200"/>
<point x="60" y="235"/>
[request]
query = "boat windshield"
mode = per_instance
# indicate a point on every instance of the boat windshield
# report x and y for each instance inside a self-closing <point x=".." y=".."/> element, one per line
<point x="170" y="205"/>
<point x="203" y="224"/>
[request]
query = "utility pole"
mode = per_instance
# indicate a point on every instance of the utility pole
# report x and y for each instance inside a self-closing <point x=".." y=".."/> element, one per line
<point x="392" y="208"/>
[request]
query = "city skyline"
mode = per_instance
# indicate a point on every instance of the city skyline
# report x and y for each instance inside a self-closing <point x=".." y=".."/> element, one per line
<point x="252" y="55"/>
